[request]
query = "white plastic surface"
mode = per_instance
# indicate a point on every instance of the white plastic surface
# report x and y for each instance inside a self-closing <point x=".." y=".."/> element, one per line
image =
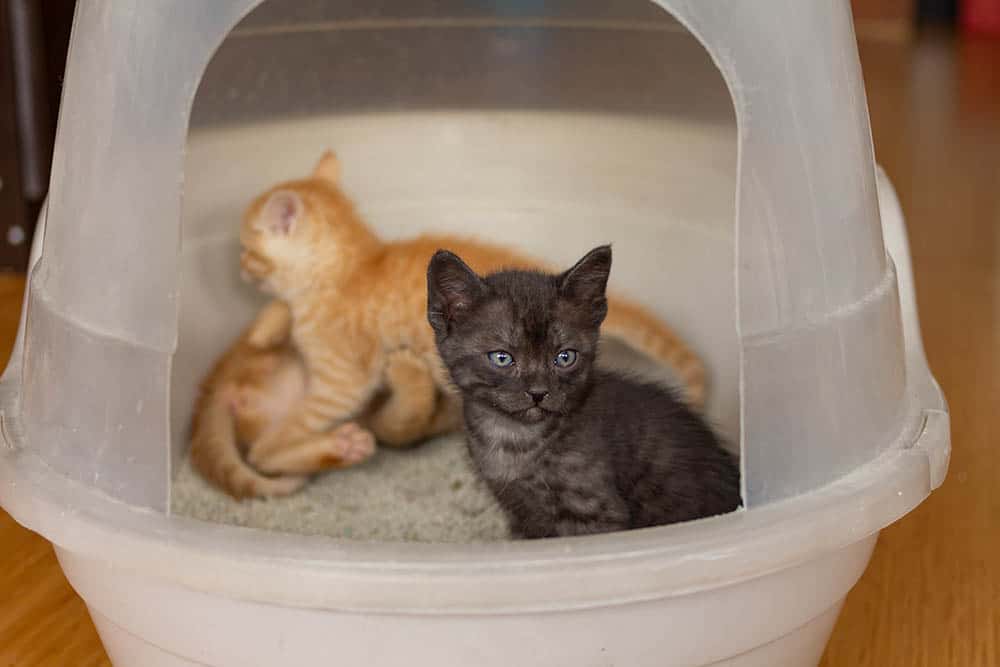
<point x="800" y="648"/>
<point x="210" y="630"/>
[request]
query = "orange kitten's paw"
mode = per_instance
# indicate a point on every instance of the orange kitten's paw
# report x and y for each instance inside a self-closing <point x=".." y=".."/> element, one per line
<point x="263" y="340"/>
<point x="345" y="446"/>
<point x="350" y="445"/>
<point x="272" y="328"/>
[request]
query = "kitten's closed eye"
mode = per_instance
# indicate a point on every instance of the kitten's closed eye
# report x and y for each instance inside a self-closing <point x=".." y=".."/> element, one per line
<point x="500" y="358"/>
<point x="566" y="358"/>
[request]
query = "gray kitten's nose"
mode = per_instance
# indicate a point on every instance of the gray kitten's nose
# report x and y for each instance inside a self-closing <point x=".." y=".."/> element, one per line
<point x="537" y="395"/>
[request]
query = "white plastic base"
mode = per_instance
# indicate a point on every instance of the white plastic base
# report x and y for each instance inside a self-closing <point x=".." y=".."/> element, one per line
<point x="803" y="646"/>
<point x="783" y="618"/>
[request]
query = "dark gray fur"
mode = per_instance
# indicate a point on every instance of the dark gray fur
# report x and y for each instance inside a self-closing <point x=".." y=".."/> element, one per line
<point x="600" y="451"/>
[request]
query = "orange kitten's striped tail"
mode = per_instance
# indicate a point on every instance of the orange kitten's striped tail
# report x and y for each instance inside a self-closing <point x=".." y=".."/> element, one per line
<point x="216" y="454"/>
<point x="640" y="329"/>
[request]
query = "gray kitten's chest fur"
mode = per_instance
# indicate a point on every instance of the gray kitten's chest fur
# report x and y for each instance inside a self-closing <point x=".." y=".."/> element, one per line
<point x="628" y="456"/>
<point x="548" y="485"/>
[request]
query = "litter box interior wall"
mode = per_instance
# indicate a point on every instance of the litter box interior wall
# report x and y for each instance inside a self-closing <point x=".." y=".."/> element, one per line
<point x="548" y="127"/>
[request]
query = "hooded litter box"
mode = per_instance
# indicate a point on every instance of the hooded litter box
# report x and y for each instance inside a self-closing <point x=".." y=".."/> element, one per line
<point x="722" y="146"/>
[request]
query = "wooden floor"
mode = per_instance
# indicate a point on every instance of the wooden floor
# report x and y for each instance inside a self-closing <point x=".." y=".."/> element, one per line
<point x="931" y="597"/>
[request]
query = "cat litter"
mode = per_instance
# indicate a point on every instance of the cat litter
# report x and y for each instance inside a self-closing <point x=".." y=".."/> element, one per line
<point x="426" y="494"/>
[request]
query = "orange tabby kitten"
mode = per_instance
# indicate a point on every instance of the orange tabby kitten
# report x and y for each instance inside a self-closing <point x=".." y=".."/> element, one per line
<point x="254" y="386"/>
<point x="358" y="324"/>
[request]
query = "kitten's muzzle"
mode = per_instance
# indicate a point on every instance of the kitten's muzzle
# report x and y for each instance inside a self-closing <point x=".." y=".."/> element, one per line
<point x="534" y="415"/>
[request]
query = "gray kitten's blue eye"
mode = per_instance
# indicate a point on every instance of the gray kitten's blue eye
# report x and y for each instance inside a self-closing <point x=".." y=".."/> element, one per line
<point x="500" y="359"/>
<point x="566" y="358"/>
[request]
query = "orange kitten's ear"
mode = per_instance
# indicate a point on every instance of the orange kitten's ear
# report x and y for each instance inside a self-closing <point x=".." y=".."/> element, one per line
<point x="280" y="214"/>
<point x="328" y="168"/>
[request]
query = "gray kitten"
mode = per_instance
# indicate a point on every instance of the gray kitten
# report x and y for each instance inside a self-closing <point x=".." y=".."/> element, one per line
<point x="567" y="448"/>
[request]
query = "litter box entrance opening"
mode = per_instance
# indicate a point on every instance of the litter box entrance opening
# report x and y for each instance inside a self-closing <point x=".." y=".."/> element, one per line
<point x="550" y="128"/>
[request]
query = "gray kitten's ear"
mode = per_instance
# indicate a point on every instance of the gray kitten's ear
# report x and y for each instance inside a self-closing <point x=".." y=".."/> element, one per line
<point x="452" y="288"/>
<point x="586" y="282"/>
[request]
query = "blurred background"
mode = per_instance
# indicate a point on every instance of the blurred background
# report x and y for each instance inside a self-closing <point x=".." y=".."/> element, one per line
<point x="932" y="71"/>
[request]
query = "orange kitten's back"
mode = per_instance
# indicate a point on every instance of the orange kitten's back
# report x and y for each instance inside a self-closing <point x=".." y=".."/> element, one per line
<point x="394" y="280"/>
